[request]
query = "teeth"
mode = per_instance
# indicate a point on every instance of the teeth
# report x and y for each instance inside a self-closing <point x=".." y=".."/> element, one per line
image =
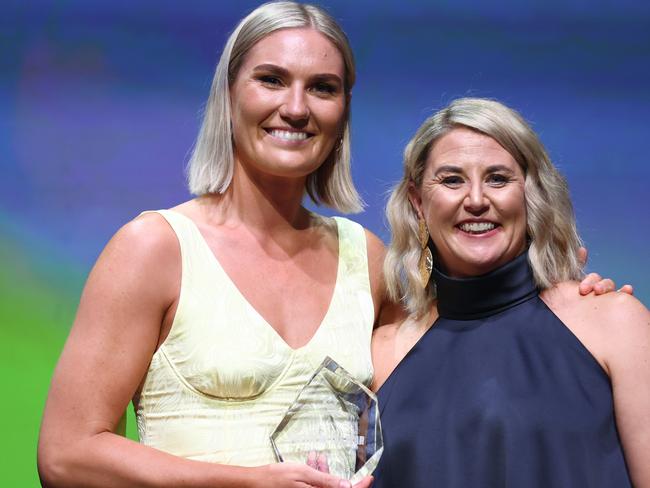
<point x="477" y="227"/>
<point x="289" y="136"/>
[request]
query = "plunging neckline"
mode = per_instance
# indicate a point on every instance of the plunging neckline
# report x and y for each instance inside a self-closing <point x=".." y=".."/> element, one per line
<point x="250" y="306"/>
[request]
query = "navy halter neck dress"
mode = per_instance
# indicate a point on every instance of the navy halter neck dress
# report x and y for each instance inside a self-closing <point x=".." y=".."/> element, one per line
<point x="498" y="393"/>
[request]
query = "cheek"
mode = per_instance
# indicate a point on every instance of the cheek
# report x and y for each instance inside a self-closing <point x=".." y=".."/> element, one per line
<point x="441" y="206"/>
<point x="238" y="117"/>
<point x="513" y="207"/>
<point x="250" y="105"/>
<point x="520" y="203"/>
<point x="332" y="117"/>
<point x="509" y="201"/>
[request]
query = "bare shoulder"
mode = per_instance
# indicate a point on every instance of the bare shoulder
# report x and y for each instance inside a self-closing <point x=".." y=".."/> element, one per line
<point x="608" y="325"/>
<point x="133" y="261"/>
<point x="608" y="310"/>
<point x="148" y="236"/>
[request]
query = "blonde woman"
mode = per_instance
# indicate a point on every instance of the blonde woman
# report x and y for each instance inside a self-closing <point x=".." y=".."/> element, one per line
<point x="515" y="378"/>
<point x="212" y="315"/>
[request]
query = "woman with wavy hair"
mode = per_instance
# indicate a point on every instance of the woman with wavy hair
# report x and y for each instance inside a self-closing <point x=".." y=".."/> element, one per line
<point x="515" y="379"/>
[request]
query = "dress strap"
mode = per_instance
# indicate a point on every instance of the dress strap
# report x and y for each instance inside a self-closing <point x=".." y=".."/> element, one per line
<point x="352" y="243"/>
<point x="353" y="254"/>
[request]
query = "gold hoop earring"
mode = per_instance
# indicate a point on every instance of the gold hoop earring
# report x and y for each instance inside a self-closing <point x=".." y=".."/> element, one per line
<point x="425" y="264"/>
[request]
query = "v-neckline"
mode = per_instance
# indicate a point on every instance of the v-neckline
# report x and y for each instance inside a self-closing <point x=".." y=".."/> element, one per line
<point x="250" y="306"/>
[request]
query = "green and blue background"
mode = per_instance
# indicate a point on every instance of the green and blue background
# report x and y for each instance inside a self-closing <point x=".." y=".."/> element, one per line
<point x="100" y="103"/>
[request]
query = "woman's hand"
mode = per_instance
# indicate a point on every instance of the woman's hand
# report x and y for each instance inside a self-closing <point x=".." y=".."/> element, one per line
<point x="295" y="475"/>
<point x="318" y="461"/>
<point x="593" y="282"/>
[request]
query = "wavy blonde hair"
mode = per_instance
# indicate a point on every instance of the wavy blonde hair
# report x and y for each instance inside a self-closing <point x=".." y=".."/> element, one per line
<point x="211" y="164"/>
<point x="551" y="226"/>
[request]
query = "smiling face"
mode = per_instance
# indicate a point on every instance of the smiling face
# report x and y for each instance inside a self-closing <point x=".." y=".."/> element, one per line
<point x="472" y="198"/>
<point x="288" y="103"/>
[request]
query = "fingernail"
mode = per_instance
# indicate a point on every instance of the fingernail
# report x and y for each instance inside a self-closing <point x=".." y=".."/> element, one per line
<point x="345" y="484"/>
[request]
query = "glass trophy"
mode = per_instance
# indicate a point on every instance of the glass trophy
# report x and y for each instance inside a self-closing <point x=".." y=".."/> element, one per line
<point x="334" y="416"/>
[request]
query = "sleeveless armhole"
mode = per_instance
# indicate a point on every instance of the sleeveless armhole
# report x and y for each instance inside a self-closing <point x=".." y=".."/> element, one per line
<point x="182" y="228"/>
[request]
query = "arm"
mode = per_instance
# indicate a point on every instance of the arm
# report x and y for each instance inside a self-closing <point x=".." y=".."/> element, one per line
<point x="126" y="299"/>
<point x="628" y="361"/>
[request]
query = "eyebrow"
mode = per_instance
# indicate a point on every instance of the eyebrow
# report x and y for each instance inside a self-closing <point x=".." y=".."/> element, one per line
<point x="279" y="70"/>
<point x="450" y="168"/>
<point x="499" y="167"/>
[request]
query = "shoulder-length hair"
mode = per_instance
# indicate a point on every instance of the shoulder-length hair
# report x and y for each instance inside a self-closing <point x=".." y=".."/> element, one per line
<point x="210" y="168"/>
<point x="550" y="222"/>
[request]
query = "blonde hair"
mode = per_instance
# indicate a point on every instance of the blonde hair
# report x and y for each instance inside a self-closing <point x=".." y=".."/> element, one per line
<point x="210" y="168"/>
<point x="551" y="226"/>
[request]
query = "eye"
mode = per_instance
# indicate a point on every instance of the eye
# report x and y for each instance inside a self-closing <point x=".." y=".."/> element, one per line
<point x="497" y="180"/>
<point x="451" y="181"/>
<point x="325" y="88"/>
<point x="270" y="80"/>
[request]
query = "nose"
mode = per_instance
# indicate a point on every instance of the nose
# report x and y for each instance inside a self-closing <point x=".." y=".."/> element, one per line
<point x="295" y="107"/>
<point x="475" y="201"/>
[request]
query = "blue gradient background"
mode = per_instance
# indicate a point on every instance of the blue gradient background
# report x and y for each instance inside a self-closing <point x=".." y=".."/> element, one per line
<point x="100" y="104"/>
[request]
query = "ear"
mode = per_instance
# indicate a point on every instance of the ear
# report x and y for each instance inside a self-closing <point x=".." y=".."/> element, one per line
<point x="415" y="197"/>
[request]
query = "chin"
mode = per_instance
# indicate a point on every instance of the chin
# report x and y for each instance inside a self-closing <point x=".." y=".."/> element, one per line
<point x="477" y="266"/>
<point x="297" y="167"/>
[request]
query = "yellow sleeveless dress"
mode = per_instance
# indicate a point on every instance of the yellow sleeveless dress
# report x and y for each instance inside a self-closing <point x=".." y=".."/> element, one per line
<point x="223" y="378"/>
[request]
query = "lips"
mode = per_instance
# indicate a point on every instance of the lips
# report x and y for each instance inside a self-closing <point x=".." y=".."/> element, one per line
<point x="477" y="227"/>
<point x="288" y="135"/>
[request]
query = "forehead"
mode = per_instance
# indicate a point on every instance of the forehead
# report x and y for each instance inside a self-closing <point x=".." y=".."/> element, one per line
<point x="462" y="146"/>
<point x="297" y="49"/>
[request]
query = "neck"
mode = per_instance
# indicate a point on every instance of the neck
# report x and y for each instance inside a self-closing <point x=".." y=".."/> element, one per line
<point x="265" y="204"/>
<point x="485" y="295"/>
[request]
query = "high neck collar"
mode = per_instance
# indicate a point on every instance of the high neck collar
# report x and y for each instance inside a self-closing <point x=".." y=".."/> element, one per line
<point x="482" y="296"/>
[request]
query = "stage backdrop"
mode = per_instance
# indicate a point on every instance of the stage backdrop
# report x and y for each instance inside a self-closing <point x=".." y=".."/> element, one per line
<point x="100" y="103"/>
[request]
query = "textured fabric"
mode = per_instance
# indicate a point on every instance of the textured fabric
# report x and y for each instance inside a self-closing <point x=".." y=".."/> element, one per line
<point x="507" y="397"/>
<point x="223" y="378"/>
